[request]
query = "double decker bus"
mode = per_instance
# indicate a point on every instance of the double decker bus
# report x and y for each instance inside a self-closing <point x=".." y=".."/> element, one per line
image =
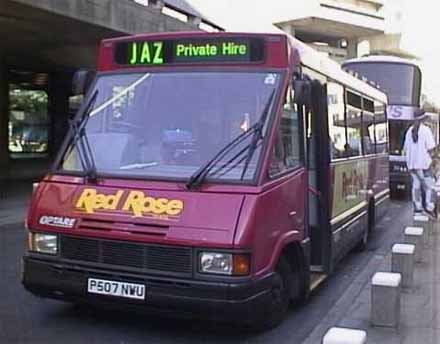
<point x="218" y="174"/>
<point x="401" y="79"/>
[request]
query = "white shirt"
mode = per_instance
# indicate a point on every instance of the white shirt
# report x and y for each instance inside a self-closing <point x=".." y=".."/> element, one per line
<point x="417" y="154"/>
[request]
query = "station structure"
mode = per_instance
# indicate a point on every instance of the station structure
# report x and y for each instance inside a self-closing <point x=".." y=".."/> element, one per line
<point x="42" y="44"/>
<point x="345" y="29"/>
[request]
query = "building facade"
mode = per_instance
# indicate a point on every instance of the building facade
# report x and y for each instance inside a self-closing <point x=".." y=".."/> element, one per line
<point x="336" y="27"/>
<point x="344" y="29"/>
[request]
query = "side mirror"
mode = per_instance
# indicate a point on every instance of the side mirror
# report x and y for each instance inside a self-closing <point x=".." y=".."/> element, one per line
<point x="82" y="81"/>
<point x="302" y="92"/>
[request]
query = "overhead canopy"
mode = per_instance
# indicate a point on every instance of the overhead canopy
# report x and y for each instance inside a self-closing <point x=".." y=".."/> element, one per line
<point x="183" y="5"/>
<point x="389" y="44"/>
<point x="43" y="35"/>
<point x="332" y="29"/>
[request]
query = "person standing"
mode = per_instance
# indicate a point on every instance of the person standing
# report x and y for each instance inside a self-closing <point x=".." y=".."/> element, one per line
<point x="419" y="146"/>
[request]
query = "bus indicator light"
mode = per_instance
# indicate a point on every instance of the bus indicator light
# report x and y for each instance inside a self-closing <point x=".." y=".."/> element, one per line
<point x="241" y="265"/>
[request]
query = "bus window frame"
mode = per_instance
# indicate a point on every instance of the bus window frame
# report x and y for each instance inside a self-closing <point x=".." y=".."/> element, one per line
<point x="274" y="115"/>
<point x="347" y="106"/>
<point x="362" y="95"/>
<point x="345" y="117"/>
<point x="363" y="98"/>
<point x="300" y="140"/>
<point x="374" y="133"/>
<point x="387" y="129"/>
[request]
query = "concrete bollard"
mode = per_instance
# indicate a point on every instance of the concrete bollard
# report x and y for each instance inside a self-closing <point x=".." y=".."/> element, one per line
<point x="339" y="335"/>
<point x="415" y="236"/>
<point x="423" y="221"/>
<point x="385" y="299"/>
<point x="402" y="261"/>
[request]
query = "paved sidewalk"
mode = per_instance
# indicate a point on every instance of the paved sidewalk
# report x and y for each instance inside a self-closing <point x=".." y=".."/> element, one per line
<point x="420" y="308"/>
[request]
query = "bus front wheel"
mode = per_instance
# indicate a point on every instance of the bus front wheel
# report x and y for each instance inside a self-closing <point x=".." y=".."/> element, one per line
<point x="279" y="298"/>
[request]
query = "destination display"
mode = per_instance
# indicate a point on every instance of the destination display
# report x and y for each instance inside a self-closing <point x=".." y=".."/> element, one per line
<point x="163" y="52"/>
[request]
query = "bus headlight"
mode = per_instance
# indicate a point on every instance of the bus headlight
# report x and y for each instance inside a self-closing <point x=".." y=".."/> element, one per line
<point x="224" y="263"/>
<point x="43" y="243"/>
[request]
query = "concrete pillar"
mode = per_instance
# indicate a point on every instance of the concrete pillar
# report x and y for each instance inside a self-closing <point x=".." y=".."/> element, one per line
<point x="289" y="29"/>
<point x="414" y="236"/>
<point x="157" y="4"/>
<point x="58" y="107"/>
<point x="425" y="222"/>
<point x="4" y="121"/>
<point x="352" y="48"/>
<point x="402" y="261"/>
<point x="193" y="20"/>
<point x="385" y="299"/>
<point x="340" y="335"/>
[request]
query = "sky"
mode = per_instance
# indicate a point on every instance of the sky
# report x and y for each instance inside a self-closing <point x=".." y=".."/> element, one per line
<point x="418" y="24"/>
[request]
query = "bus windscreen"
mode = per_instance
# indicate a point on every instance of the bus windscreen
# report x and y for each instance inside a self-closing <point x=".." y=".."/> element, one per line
<point x="401" y="82"/>
<point x="189" y="51"/>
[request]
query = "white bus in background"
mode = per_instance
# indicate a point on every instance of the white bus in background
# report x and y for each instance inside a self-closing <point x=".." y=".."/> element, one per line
<point x="401" y="79"/>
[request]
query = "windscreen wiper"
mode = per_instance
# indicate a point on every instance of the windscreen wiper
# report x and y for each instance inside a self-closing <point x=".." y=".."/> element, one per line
<point x="256" y="130"/>
<point x="81" y="141"/>
<point x="258" y="134"/>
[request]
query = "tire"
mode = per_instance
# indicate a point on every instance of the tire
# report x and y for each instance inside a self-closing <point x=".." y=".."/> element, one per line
<point x="363" y="243"/>
<point x="280" y="296"/>
<point x="81" y="307"/>
<point x="371" y="217"/>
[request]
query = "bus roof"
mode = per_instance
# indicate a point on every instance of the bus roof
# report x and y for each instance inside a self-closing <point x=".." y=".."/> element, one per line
<point x="380" y="58"/>
<point x="326" y="66"/>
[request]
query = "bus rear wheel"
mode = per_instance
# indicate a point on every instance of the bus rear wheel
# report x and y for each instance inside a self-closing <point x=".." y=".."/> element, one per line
<point x="279" y="297"/>
<point x="363" y="243"/>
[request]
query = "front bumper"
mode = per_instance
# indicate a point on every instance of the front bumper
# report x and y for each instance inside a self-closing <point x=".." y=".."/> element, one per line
<point x="211" y="299"/>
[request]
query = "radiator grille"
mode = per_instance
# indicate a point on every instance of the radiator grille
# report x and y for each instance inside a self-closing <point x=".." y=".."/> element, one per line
<point x="146" y="257"/>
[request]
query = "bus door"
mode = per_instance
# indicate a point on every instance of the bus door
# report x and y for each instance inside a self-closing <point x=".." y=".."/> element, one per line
<point x="318" y="176"/>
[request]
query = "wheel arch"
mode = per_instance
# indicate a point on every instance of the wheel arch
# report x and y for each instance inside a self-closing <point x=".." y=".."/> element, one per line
<point x="298" y="261"/>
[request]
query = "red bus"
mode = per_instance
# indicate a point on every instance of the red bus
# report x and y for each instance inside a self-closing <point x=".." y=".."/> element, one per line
<point x="222" y="174"/>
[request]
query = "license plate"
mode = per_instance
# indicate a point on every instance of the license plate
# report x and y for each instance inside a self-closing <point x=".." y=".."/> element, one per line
<point x="115" y="288"/>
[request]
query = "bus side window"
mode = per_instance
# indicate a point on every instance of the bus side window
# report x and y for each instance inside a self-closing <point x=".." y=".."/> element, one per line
<point x="336" y="120"/>
<point x="286" y="154"/>
<point x="353" y="115"/>
<point x="368" y="129"/>
<point x="381" y="128"/>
